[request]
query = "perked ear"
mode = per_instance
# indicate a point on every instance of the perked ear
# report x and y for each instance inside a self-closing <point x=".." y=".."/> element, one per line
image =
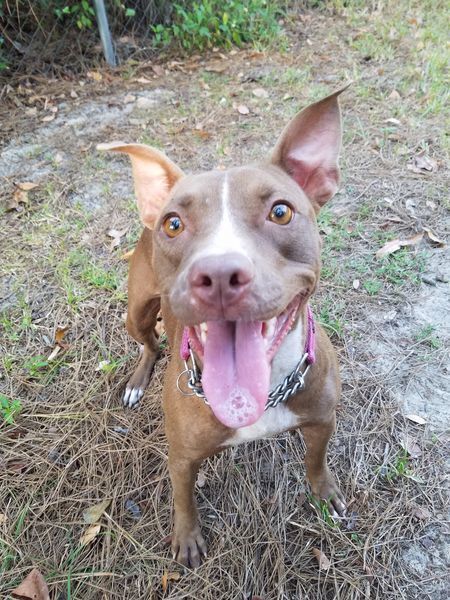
<point x="308" y="149"/>
<point x="154" y="176"/>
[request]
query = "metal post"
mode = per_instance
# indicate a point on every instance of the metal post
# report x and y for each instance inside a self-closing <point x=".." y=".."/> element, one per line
<point x="105" y="34"/>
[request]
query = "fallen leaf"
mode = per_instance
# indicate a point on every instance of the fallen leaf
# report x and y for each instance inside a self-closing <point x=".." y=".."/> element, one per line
<point x="410" y="445"/>
<point x="242" y="109"/>
<point x="26" y="186"/>
<point x="356" y="284"/>
<point x="416" y="419"/>
<point x="127" y="255"/>
<point x="129" y="98"/>
<point x="322" y="559"/>
<point x="434" y="239"/>
<point x="54" y="353"/>
<point x="95" y="75"/>
<point x="19" y="197"/>
<point x="93" y="513"/>
<point x="396" y="244"/>
<point x="158" y="70"/>
<point x="422" y="164"/>
<point x="60" y="333"/>
<point x="90" y="534"/>
<point x="420" y="512"/>
<point x="116" y="236"/>
<point x="394" y="95"/>
<point x="3" y="518"/>
<point x="201" y="133"/>
<point x="260" y="93"/>
<point x="167" y="576"/>
<point x="201" y="478"/>
<point x="33" y="587"/>
<point x="393" y="121"/>
<point x="48" y="118"/>
<point x="142" y="80"/>
<point x="73" y="94"/>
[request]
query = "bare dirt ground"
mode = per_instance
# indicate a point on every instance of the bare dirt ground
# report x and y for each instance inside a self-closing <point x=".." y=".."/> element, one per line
<point x="72" y="445"/>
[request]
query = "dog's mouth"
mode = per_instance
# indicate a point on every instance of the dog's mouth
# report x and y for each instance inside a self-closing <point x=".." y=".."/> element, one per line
<point x="237" y="359"/>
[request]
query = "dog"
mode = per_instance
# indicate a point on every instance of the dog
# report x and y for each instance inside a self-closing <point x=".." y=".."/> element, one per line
<point x="231" y="259"/>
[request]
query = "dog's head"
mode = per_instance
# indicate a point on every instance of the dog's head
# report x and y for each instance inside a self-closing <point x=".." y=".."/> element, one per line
<point x="237" y="252"/>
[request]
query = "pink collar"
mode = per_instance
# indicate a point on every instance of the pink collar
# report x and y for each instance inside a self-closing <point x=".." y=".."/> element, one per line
<point x="310" y="343"/>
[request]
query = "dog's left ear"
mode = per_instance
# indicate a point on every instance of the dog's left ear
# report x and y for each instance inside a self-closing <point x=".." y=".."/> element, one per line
<point x="308" y="149"/>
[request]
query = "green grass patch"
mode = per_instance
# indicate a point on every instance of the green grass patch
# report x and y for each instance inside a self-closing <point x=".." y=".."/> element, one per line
<point x="9" y="409"/>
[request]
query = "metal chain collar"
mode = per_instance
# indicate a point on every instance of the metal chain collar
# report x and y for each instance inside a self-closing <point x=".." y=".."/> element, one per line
<point x="293" y="383"/>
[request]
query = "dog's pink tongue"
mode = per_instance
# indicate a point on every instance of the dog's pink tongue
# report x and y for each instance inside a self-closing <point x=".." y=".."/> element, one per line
<point x="236" y="372"/>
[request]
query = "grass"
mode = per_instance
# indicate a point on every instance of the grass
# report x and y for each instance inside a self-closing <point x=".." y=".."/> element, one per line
<point x="70" y="444"/>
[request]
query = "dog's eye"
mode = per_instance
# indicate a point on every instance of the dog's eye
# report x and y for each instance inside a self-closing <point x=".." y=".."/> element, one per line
<point x="281" y="214"/>
<point x="173" y="225"/>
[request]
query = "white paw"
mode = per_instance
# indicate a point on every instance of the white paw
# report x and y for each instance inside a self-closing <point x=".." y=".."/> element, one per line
<point x="132" y="396"/>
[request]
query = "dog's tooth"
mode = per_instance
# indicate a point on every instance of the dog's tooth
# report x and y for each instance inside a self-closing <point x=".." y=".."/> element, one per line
<point x="203" y="332"/>
<point x="270" y="328"/>
<point x="204" y="327"/>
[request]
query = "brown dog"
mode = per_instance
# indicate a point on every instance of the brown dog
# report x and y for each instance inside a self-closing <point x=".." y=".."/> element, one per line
<point x="231" y="259"/>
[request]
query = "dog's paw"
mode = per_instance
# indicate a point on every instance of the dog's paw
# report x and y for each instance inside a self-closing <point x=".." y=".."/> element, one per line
<point x="131" y="396"/>
<point x="328" y="491"/>
<point x="189" y="548"/>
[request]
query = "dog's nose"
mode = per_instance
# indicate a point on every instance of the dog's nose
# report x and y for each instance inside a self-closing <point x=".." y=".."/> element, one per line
<point x="221" y="281"/>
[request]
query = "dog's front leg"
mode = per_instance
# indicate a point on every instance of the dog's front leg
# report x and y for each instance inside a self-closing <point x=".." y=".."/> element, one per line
<point x="323" y="484"/>
<point x="187" y="542"/>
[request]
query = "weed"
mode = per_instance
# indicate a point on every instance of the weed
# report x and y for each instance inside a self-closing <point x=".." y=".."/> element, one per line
<point x="372" y="286"/>
<point x="213" y="23"/>
<point x="9" y="408"/>
<point x="323" y="509"/>
<point x="329" y="317"/>
<point x="426" y="334"/>
<point x="398" y="468"/>
<point x="36" y="366"/>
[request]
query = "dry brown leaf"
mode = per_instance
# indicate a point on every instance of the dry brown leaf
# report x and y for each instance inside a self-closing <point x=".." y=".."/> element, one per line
<point x="143" y="80"/>
<point x="394" y="95"/>
<point x="416" y="419"/>
<point x="422" y="164"/>
<point x="168" y="576"/>
<point x="90" y="534"/>
<point x="127" y="255"/>
<point x="260" y="93"/>
<point x="95" y="75"/>
<point x="242" y="109"/>
<point x="434" y="238"/>
<point x="48" y="118"/>
<point x="93" y="513"/>
<point x="3" y="518"/>
<point x="158" y="70"/>
<point x="73" y="94"/>
<point x="411" y="446"/>
<point x="129" y="98"/>
<point x="116" y="236"/>
<point x="60" y="333"/>
<point x="322" y="559"/>
<point x="396" y="244"/>
<point x="26" y="186"/>
<point x="19" y="197"/>
<point x="33" y="587"/>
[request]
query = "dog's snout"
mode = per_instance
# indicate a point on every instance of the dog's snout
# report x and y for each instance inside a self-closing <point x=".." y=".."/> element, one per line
<point x="221" y="281"/>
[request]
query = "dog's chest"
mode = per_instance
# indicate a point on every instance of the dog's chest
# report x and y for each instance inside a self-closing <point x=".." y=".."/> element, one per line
<point x="273" y="421"/>
<point x="281" y="418"/>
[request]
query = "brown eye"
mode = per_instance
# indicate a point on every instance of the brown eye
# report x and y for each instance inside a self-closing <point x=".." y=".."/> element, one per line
<point x="281" y="214"/>
<point x="173" y="226"/>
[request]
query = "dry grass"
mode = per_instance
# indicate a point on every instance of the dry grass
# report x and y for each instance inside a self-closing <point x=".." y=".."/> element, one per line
<point x="72" y="445"/>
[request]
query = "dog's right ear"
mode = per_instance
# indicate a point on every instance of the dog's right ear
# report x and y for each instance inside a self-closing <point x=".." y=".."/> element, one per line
<point x="154" y="176"/>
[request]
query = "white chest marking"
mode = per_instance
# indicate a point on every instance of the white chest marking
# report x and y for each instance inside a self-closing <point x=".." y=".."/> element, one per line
<point x="281" y="418"/>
